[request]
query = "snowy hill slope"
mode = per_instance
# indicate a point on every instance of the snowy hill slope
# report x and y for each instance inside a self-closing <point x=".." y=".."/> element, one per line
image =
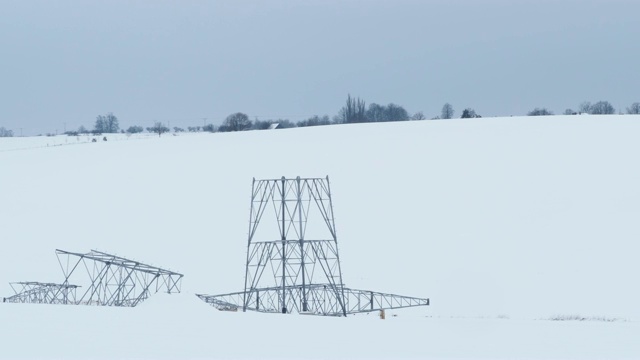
<point x="519" y="217"/>
<point x="34" y="142"/>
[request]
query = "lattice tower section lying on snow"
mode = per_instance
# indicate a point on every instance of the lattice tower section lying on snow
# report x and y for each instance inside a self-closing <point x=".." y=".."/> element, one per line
<point x="107" y="280"/>
<point x="42" y="293"/>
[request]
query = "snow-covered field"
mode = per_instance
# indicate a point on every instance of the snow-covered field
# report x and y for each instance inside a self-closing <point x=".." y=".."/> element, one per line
<point x="33" y="142"/>
<point x="503" y="223"/>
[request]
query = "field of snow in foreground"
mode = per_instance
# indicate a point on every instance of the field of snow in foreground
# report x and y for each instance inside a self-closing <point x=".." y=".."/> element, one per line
<point x="183" y="327"/>
<point x="503" y="223"/>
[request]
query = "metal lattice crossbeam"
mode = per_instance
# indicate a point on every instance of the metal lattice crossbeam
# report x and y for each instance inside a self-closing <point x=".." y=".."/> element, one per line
<point x="42" y="293"/>
<point x="321" y="300"/>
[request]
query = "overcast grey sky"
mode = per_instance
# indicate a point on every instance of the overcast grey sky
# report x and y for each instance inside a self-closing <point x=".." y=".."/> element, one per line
<point x="182" y="61"/>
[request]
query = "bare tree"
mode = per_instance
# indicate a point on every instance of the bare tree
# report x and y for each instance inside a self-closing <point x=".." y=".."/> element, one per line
<point x="585" y="107"/>
<point x="236" y="122"/>
<point x="447" y="111"/>
<point x="391" y="112"/>
<point x="158" y="128"/>
<point x="634" y="108"/>
<point x="5" y="133"/>
<point x="602" y="108"/>
<point x="134" y="129"/>
<point x="469" y="113"/>
<point x="376" y="113"/>
<point x="107" y="124"/>
<point x="418" y="116"/>
<point x="99" y="126"/>
<point x="353" y="112"/>
<point x="396" y="113"/>
<point x="539" y="112"/>
<point x="209" y="128"/>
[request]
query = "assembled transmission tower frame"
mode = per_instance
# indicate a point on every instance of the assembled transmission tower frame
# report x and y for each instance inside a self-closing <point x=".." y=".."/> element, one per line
<point x="302" y="255"/>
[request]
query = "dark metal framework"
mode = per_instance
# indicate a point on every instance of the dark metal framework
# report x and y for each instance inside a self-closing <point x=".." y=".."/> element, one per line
<point x="300" y="249"/>
<point x="109" y="280"/>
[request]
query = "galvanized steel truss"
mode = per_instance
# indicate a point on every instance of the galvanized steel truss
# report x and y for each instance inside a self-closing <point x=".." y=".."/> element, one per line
<point x="320" y="300"/>
<point x="304" y="265"/>
<point x="109" y="280"/>
<point x="116" y="281"/>
<point x="42" y="293"/>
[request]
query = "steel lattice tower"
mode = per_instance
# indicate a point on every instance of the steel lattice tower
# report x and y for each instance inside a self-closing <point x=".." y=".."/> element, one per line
<point x="300" y="249"/>
<point x="293" y="257"/>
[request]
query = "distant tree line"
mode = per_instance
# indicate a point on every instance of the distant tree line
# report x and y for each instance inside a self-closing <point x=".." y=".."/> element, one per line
<point x="354" y="110"/>
<point x="598" y="108"/>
